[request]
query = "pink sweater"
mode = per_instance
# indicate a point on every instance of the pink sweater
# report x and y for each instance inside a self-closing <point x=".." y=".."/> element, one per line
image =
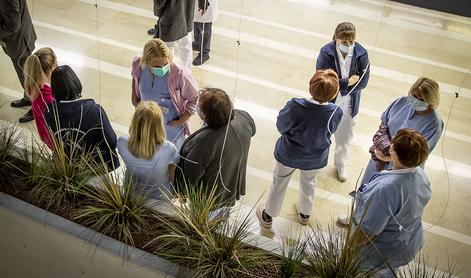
<point x="39" y="106"/>
<point x="182" y="87"/>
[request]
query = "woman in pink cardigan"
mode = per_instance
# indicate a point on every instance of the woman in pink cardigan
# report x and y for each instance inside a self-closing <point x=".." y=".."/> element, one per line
<point x="156" y="78"/>
<point x="37" y="70"/>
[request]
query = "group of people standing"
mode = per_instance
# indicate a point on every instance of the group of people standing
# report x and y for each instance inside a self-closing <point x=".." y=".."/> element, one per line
<point x="160" y="154"/>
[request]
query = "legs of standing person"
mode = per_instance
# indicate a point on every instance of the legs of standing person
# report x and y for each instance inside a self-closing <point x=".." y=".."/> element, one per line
<point x="343" y="137"/>
<point x="18" y="63"/>
<point x="281" y="177"/>
<point x="203" y="31"/>
<point x="182" y="49"/>
<point x="307" y="182"/>
<point x="197" y="29"/>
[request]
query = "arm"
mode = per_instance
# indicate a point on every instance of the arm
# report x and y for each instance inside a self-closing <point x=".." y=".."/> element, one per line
<point x="195" y="159"/>
<point x="159" y="6"/>
<point x="181" y="121"/>
<point x="283" y="121"/>
<point x="11" y="23"/>
<point x="362" y="64"/>
<point x="171" y="172"/>
<point x="110" y="135"/>
<point x="134" y="100"/>
<point x="381" y="139"/>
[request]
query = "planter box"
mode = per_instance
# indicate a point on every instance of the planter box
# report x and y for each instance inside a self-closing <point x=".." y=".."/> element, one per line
<point x="37" y="243"/>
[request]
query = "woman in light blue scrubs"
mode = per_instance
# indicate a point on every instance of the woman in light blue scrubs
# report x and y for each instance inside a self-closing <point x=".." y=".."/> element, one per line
<point x="417" y="111"/>
<point x="390" y="207"/>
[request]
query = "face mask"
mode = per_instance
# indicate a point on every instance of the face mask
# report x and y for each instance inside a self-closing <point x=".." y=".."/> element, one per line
<point x="418" y="105"/>
<point x="160" y="72"/>
<point x="345" y="48"/>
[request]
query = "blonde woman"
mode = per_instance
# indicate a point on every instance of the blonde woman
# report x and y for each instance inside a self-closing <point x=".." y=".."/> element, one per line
<point x="37" y="70"/>
<point x="418" y="111"/>
<point x="156" y="78"/>
<point x="150" y="159"/>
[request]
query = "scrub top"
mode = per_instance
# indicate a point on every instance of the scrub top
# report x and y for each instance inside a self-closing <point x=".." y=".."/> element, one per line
<point x="151" y="176"/>
<point x="155" y="88"/>
<point x="392" y="206"/>
<point x="399" y="115"/>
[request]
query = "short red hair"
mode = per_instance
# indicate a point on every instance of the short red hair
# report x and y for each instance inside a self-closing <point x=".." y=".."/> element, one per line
<point x="324" y="85"/>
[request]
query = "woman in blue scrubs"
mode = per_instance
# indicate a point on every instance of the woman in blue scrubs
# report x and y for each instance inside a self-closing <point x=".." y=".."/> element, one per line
<point x="417" y="111"/>
<point x="390" y="207"/>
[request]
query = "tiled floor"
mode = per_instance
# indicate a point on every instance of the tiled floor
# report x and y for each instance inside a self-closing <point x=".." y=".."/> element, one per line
<point x="279" y="42"/>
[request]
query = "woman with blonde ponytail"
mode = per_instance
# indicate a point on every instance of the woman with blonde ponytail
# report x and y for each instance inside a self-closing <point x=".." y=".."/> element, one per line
<point x="37" y="70"/>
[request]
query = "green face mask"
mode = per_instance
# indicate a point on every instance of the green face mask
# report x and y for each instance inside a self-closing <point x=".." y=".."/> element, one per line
<point x="160" y="72"/>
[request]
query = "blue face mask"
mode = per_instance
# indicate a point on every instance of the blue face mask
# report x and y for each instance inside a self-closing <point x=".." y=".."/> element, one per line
<point x="418" y="105"/>
<point x="160" y="72"/>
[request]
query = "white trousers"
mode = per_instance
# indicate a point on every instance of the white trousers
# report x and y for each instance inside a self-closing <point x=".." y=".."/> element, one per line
<point x="344" y="133"/>
<point x="182" y="49"/>
<point x="281" y="177"/>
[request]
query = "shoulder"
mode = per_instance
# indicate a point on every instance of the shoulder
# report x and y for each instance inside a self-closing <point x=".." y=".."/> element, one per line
<point x="328" y="49"/>
<point x="169" y="146"/>
<point x="123" y="142"/>
<point x="361" y="51"/>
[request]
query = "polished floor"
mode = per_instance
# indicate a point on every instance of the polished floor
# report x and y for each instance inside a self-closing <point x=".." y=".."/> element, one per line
<point x="279" y="42"/>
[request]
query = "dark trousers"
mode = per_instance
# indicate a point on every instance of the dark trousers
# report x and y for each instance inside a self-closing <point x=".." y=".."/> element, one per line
<point x="203" y="39"/>
<point x="18" y="63"/>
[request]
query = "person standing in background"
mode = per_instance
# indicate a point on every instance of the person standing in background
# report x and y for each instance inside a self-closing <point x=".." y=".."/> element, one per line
<point x="17" y="38"/>
<point x="350" y="61"/>
<point x="174" y="26"/>
<point x="206" y="12"/>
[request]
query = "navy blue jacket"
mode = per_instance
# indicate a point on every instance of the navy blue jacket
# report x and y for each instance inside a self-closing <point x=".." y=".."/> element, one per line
<point x="328" y="59"/>
<point x="79" y="122"/>
<point x="305" y="140"/>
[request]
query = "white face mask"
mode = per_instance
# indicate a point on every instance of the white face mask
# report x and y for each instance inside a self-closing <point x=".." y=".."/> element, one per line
<point x="346" y="49"/>
<point x="418" y="105"/>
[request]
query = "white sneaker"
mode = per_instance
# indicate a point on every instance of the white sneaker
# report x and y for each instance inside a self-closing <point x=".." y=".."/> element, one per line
<point x="343" y="220"/>
<point x="342" y="174"/>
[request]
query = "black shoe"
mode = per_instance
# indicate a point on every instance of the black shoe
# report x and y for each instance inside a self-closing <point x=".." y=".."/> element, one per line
<point x="195" y="46"/>
<point x="200" y="59"/>
<point x="20" y="103"/>
<point x="27" y="117"/>
<point x="151" y="32"/>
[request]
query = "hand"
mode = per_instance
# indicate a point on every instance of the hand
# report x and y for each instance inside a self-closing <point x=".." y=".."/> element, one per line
<point x="353" y="79"/>
<point x="179" y="122"/>
<point x="381" y="156"/>
<point x="201" y="11"/>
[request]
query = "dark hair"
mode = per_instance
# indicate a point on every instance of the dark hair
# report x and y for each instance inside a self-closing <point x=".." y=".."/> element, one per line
<point x="344" y="31"/>
<point x="410" y="146"/>
<point x="65" y="84"/>
<point x="324" y="85"/>
<point x="216" y="107"/>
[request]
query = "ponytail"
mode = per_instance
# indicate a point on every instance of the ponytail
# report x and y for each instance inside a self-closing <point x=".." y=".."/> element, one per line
<point x="36" y="69"/>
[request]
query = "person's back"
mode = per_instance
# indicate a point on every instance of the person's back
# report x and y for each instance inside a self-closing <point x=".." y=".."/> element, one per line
<point x="305" y="133"/>
<point x="80" y="123"/>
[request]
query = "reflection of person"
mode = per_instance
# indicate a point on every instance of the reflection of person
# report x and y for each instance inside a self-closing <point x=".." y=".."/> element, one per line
<point x="174" y="26"/>
<point x="17" y="38"/>
<point x="304" y="144"/>
<point x="390" y="207"/>
<point x="206" y="12"/>
<point x="417" y="111"/>
<point x="38" y="68"/>
<point x="80" y="123"/>
<point x="171" y="86"/>
<point x="216" y="154"/>
<point x="349" y="60"/>
<point x="150" y="159"/>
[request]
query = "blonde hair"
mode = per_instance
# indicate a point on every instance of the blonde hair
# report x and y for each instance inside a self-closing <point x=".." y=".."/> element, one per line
<point x="147" y="130"/>
<point x="36" y="69"/>
<point x="344" y="31"/>
<point x="155" y="48"/>
<point x="428" y="89"/>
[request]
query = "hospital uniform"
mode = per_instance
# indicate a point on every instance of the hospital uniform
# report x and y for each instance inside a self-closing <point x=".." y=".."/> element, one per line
<point x="400" y="114"/>
<point x="355" y="63"/>
<point x="390" y="209"/>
